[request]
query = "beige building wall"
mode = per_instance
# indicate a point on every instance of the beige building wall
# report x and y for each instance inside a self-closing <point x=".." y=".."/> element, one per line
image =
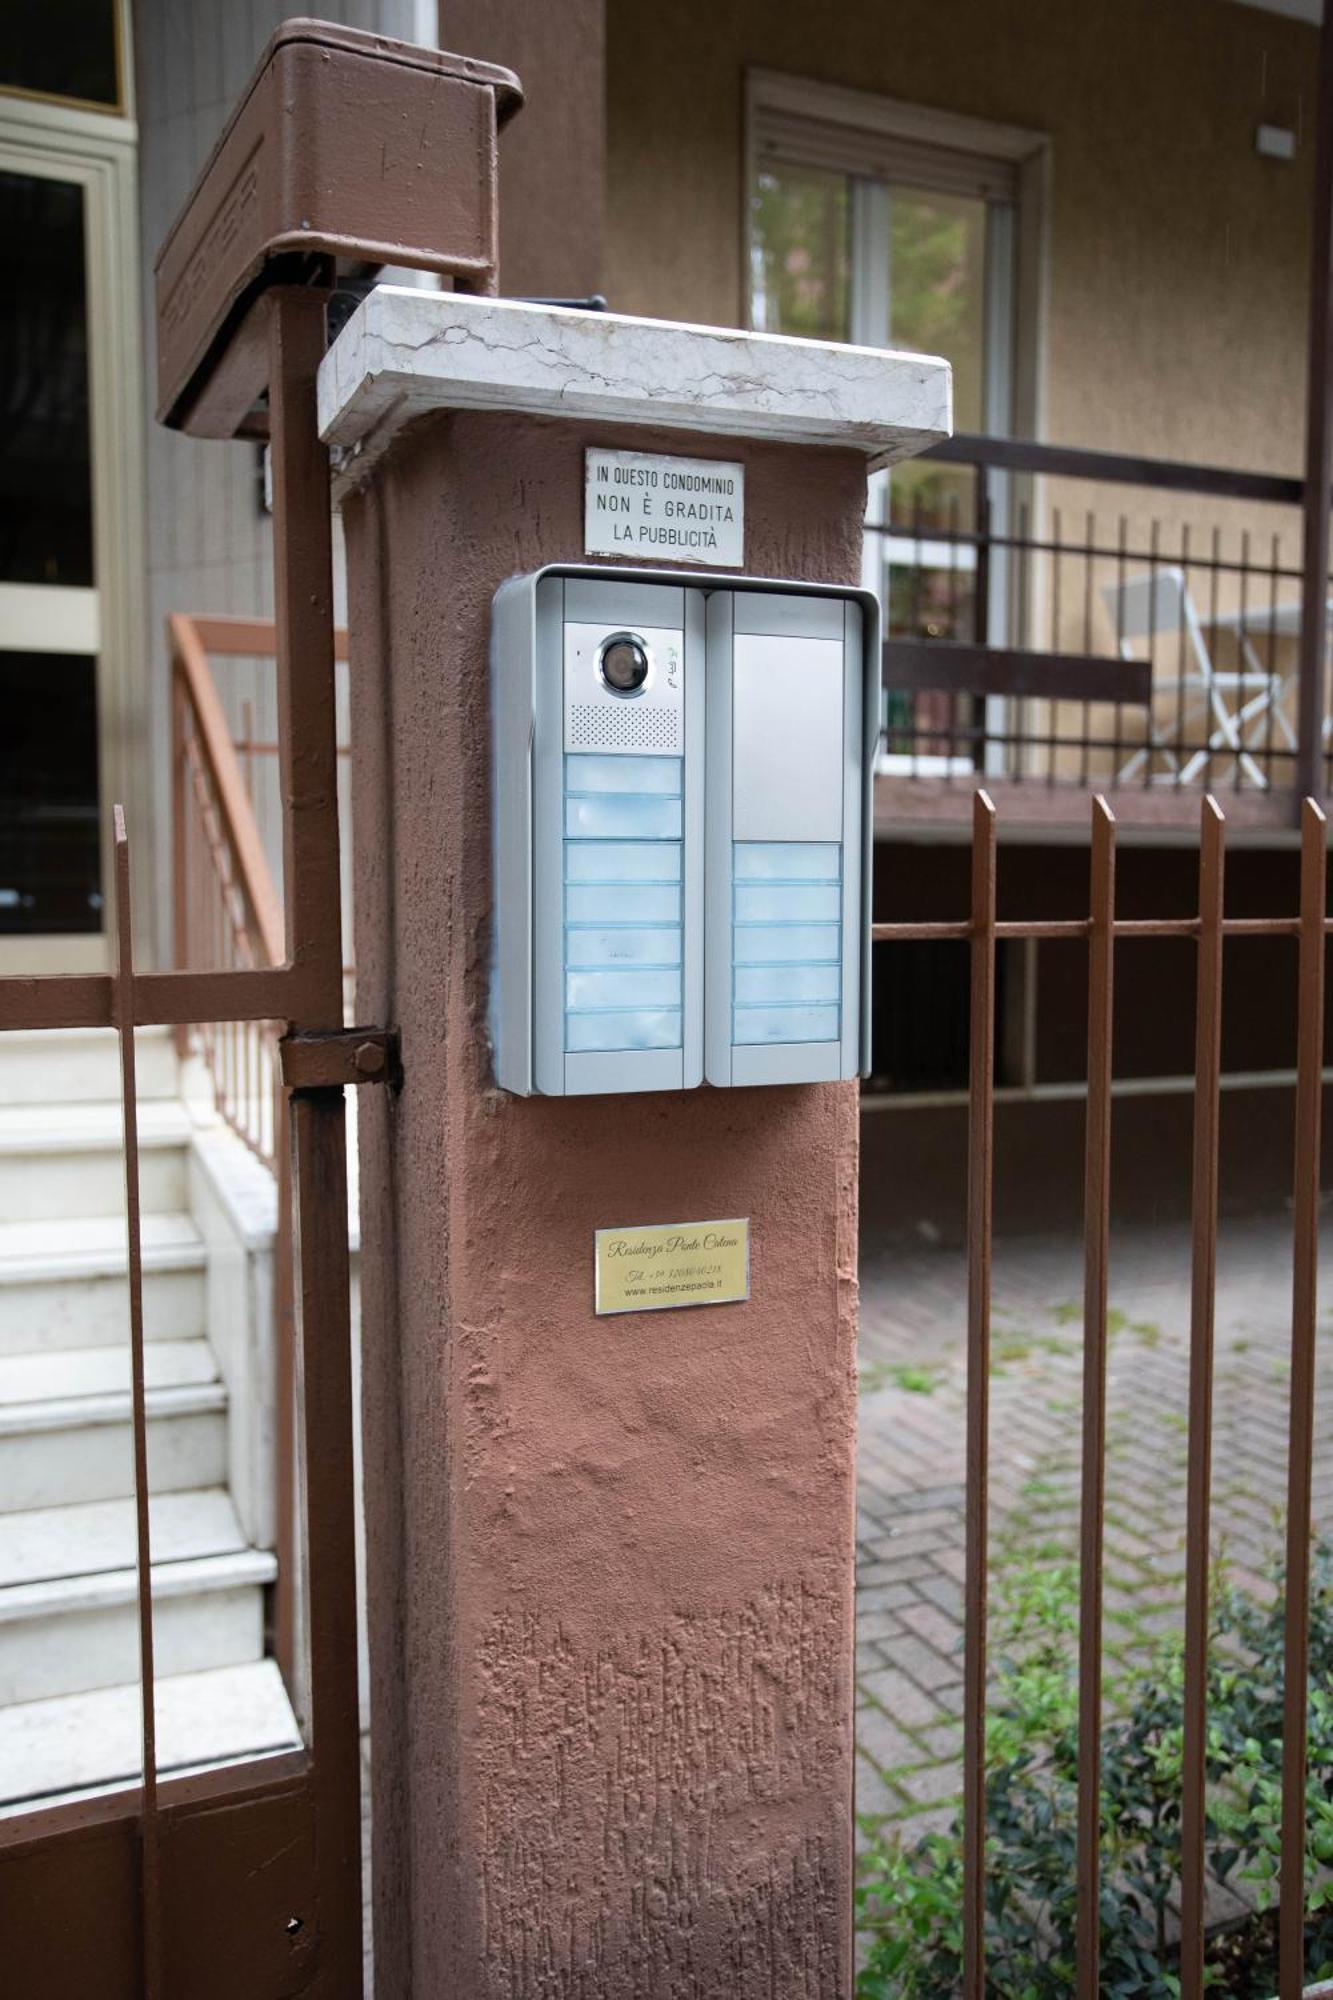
<point x="1177" y="257"/>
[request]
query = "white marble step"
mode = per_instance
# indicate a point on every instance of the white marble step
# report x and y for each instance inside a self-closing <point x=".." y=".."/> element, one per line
<point x="59" y="1374"/>
<point x="69" y="1593"/>
<point x="64" y="1284"/>
<point x="84" y="1742"/>
<point x="54" y="1065"/>
<point x="66" y="1431"/>
<point x="66" y="1159"/>
<point x="63" y="1544"/>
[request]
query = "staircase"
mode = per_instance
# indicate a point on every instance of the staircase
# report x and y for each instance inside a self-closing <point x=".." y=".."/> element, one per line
<point x="69" y="1694"/>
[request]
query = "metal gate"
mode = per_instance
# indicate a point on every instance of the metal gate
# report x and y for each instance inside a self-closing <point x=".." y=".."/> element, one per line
<point x="244" y="1879"/>
<point x="1104" y="933"/>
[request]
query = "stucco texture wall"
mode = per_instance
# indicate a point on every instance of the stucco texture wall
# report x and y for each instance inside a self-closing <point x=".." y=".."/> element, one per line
<point x="1177" y="257"/>
<point x="610" y="1560"/>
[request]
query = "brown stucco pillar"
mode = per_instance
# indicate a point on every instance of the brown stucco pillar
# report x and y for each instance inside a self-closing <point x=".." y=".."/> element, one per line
<point x="610" y="1560"/>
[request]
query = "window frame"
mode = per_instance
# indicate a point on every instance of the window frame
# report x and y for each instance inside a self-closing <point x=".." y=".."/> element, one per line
<point x="1010" y="166"/>
<point x="124" y="104"/>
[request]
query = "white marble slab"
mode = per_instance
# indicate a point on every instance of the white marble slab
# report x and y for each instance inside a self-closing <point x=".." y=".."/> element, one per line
<point x="405" y="352"/>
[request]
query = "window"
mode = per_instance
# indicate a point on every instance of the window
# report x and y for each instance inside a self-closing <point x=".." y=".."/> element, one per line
<point x="894" y="226"/>
<point x="68" y="51"/>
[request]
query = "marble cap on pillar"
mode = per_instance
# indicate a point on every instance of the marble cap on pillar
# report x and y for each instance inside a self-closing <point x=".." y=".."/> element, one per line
<point x="404" y="353"/>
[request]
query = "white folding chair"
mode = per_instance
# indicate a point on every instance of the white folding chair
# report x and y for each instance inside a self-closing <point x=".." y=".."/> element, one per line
<point x="1227" y="702"/>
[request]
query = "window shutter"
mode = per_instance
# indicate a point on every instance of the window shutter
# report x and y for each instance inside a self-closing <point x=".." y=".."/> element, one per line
<point x="781" y="134"/>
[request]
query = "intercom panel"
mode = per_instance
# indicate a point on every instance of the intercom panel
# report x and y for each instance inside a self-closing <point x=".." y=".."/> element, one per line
<point x="599" y="780"/>
<point x="682" y="818"/>
<point x="790" y="747"/>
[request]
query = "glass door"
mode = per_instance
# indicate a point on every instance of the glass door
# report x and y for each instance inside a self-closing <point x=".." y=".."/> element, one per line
<point x="50" y="864"/>
<point x="73" y="674"/>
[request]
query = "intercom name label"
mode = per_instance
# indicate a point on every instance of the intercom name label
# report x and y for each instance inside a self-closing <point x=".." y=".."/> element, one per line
<point x="677" y="509"/>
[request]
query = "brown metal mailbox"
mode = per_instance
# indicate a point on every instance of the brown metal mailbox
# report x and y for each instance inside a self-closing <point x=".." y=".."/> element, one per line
<point x="345" y="145"/>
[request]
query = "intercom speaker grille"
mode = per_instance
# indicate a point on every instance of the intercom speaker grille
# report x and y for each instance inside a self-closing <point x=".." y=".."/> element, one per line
<point x="633" y="726"/>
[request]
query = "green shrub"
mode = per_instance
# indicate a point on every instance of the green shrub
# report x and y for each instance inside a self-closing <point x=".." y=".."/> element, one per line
<point x="909" y="1892"/>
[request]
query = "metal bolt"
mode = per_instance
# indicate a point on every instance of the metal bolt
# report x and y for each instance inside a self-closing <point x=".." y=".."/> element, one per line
<point x="368" y="1058"/>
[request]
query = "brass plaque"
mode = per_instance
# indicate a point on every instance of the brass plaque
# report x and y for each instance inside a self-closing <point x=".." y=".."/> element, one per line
<point x="672" y="1264"/>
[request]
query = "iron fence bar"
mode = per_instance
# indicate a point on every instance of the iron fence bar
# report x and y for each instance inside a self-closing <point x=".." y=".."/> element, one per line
<point x="951" y="742"/>
<point x="1087" y="648"/>
<point x="1212" y="573"/>
<point x="161" y="999"/>
<point x="1318" y="489"/>
<point x="1056" y="619"/>
<point x="1032" y="544"/>
<point x="1207" y="1103"/>
<point x="1116" y="468"/>
<point x="150" y="1885"/>
<point x="1040" y="740"/>
<point x="914" y="613"/>
<point x="1096" y="1255"/>
<point x="1035" y="739"/>
<point x="1074" y="928"/>
<point x="980" y="1169"/>
<point x="1181" y="641"/>
<point x="1270" y="660"/>
<point x="1243" y="632"/>
<point x="1154" y="568"/>
<point x="1300" y="1445"/>
<point x="1022" y="592"/>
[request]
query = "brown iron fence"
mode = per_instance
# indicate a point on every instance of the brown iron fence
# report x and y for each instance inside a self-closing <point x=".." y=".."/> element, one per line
<point x="1104" y="933"/>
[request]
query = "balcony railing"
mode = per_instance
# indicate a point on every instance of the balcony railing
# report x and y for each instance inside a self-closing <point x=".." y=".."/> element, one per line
<point x="1064" y="619"/>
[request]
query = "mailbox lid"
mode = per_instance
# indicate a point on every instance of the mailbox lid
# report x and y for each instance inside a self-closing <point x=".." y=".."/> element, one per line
<point x="346" y="144"/>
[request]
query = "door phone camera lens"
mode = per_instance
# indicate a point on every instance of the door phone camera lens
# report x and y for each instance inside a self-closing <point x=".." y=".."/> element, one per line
<point x="623" y="663"/>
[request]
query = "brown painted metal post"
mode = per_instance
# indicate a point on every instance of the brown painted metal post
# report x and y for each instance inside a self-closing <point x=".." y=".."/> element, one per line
<point x="1096" y="1228"/>
<point x="1318" y="448"/>
<point x="1207" y="1075"/>
<point x="980" y="1176"/>
<point x="307" y="718"/>
<point x="1300" y="1449"/>
<point x="324" y="1468"/>
<point x="150" y="1898"/>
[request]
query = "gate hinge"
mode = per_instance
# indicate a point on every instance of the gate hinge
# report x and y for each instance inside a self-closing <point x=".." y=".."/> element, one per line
<point x="335" y="1056"/>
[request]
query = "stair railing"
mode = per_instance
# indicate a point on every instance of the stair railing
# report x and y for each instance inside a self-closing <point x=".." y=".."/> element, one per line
<point x="228" y="912"/>
<point x="226" y="905"/>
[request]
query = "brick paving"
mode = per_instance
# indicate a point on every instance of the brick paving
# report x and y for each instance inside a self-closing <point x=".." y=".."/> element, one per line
<point x="912" y="1464"/>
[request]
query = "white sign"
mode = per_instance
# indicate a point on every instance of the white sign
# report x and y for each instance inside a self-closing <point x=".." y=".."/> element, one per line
<point x="636" y="503"/>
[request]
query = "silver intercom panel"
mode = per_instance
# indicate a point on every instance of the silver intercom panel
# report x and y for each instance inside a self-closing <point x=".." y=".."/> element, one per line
<point x="682" y="819"/>
<point x="787" y="817"/>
